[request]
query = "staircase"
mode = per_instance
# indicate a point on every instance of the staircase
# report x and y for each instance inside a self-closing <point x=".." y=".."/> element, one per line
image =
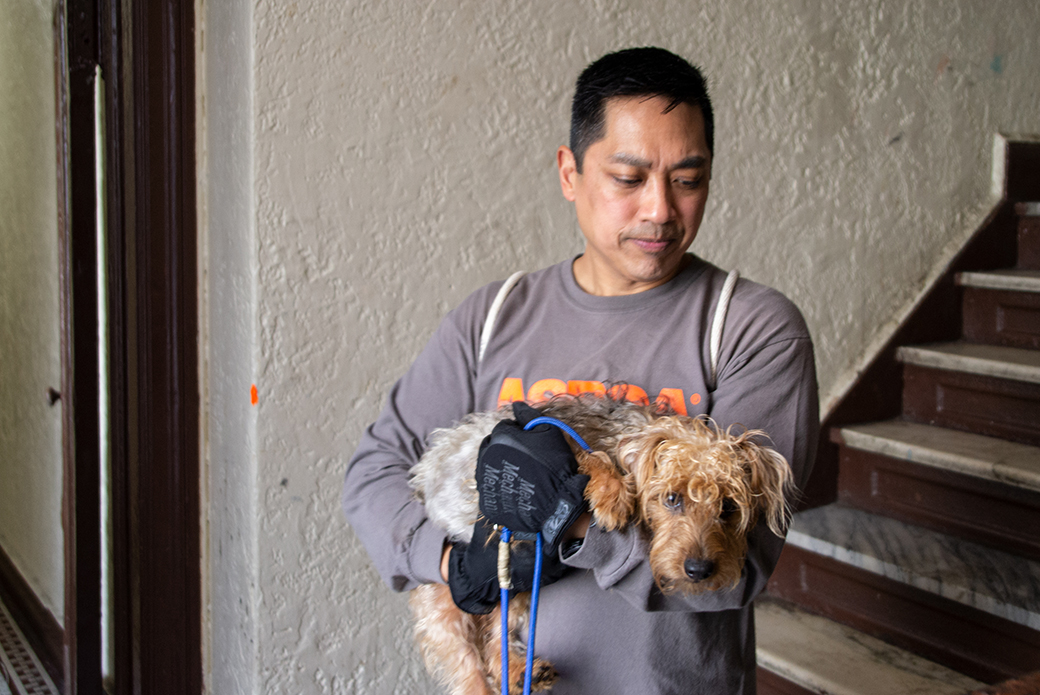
<point x="928" y="554"/>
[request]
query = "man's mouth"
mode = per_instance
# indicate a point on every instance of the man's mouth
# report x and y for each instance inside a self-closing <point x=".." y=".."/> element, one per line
<point x="651" y="245"/>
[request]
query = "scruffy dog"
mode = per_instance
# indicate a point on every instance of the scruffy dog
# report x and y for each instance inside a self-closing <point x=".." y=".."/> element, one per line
<point x="695" y="491"/>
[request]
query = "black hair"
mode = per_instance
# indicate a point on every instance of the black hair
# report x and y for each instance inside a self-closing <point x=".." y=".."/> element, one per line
<point x="649" y="72"/>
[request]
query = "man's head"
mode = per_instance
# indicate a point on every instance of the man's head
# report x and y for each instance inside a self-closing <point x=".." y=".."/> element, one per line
<point x="639" y="173"/>
<point x="634" y="72"/>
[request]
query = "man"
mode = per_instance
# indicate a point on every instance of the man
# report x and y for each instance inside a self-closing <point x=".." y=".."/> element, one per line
<point x="635" y="307"/>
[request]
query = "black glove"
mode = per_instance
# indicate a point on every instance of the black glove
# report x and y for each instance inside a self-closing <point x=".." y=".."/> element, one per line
<point x="528" y="479"/>
<point x="473" y="570"/>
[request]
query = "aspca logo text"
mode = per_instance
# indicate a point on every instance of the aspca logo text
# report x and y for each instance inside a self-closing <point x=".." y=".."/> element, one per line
<point x="544" y="389"/>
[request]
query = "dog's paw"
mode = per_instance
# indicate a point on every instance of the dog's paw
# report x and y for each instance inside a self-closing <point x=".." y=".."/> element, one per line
<point x="609" y="493"/>
<point x="543" y="676"/>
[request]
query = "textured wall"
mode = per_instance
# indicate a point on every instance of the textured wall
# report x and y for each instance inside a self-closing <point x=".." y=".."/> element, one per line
<point x="30" y="429"/>
<point x="403" y="155"/>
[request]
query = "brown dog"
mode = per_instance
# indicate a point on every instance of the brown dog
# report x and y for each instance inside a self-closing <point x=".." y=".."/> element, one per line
<point x="694" y="490"/>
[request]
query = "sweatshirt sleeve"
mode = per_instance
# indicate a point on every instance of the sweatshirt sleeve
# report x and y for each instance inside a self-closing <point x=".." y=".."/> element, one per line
<point x="436" y="391"/>
<point x="767" y="381"/>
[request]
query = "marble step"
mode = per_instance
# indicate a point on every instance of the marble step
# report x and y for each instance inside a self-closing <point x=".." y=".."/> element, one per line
<point x="970" y="358"/>
<point x="989" y="458"/>
<point x="930" y="475"/>
<point x="967" y="606"/>
<point x="987" y="389"/>
<point x="1011" y="280"/>
<point x="821" y="656"/>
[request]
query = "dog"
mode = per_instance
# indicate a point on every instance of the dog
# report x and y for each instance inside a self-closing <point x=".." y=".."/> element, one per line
<point x="694" y="490"/>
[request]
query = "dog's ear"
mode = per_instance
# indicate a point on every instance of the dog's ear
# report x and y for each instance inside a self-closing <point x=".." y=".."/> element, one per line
<point x="637" y="454"/>
<point x="769" y="477"/>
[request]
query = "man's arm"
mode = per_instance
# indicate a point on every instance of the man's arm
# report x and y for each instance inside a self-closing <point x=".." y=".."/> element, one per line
<point x="436" y="391"/>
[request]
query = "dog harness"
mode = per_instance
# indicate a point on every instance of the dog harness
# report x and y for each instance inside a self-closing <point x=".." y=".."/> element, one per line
<point x="505" y="584"/>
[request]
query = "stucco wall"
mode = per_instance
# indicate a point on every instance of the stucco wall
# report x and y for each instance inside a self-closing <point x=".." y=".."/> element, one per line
<point x="403" y="156"/>
<point x="30" y="429"/>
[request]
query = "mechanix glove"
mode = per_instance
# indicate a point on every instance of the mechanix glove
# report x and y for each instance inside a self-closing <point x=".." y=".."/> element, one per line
<point x="473" y="569"/>
<point x="528" y="479"/>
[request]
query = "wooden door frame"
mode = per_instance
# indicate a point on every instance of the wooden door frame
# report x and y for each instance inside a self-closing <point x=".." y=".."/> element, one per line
<point x="146" y="50"/>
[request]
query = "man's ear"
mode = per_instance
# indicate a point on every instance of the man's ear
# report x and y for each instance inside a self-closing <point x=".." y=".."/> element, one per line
<point x="568" y="171"/>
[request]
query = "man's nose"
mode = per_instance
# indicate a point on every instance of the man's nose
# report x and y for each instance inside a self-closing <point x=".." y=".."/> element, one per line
<point x="657" y="201"/>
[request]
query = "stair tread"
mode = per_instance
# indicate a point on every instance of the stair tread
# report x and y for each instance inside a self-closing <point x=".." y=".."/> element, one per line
<point x="971" y="454"/>
<point x="975" y="575"/>
<point x="1014" y="280"/>
<point x="985" y="360"/>
<point x="823" y="656"/>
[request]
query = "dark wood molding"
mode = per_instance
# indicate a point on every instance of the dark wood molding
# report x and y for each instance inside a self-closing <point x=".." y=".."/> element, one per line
<point x="80" y="374"/>
<point x="967" y="640"/>
<point x="118" y="161"/>
<point x="162" y="392"/>
<point x="41" y="629"/>
<point x="876" y="394"/>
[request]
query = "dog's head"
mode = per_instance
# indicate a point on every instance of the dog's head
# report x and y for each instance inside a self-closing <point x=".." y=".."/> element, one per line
<point x="700" y="493"/>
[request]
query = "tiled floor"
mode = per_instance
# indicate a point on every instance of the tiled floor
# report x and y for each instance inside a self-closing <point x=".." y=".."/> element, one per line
<point x="18" y="663"/>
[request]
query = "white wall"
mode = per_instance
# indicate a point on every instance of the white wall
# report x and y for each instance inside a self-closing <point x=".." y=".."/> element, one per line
<point x="402" y="155"/>
<point x="30" y="429"/>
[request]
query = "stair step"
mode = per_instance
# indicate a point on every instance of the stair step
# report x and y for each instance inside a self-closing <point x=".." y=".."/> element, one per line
<point x="970" y="454"/>
<point x="1008" y="315"/>
<point x="985" y="389"/>
<point x="989" y="580"/>
<point x="983" y="360"/>
<point x="972" y="608"/>
<point x="822" y="656"/>
<point x="930" y="475"/>
<point x="1011" y="280"/>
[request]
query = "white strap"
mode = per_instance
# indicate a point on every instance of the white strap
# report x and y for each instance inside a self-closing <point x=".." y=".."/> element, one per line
<point x="496" y="306"/>
<point x="719" y="321"/>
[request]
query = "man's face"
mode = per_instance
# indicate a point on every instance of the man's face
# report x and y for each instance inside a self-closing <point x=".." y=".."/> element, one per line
<point x="640" y="196"/>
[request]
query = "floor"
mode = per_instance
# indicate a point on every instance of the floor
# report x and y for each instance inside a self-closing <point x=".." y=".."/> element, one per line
<point x="18" y="663"/>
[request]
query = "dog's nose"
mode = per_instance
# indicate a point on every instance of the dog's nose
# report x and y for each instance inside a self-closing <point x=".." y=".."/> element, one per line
<point x="698" y="570"/>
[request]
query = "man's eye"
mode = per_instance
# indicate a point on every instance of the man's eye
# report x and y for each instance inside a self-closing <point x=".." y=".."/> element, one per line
<point x="674" y="500"/>
<point x="690" y="184"/>
<point x="626" y="180"/>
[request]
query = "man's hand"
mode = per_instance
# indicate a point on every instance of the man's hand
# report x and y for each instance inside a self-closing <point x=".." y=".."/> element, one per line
<point x="528" y="479"/>
<point x="472" y="569"/>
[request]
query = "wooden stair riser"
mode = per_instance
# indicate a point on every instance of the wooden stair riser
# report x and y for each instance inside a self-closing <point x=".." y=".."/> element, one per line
<point x="1002" y="317"/>
<point x="977" y="644"/>
<point x="770" y="683"/>
<point x="995" y="514"/>
<point x="972" y="403"/>
<point x="1029" y="243"/>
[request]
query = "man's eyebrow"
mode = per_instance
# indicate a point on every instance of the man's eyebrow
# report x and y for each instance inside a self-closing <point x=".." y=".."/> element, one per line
<point x="692" y="162"/>
<point x="630" y="160"/>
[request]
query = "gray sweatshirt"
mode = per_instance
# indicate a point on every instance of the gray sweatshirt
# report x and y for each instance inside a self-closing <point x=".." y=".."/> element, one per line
<point x="605" y="626"/>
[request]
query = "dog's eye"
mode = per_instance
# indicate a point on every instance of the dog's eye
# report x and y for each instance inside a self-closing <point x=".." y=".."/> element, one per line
<point x="674" y="501"/>
<point x="729" y="508"/>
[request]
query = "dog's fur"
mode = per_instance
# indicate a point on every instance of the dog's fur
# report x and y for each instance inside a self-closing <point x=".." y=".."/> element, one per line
<point x="694" y="490"/>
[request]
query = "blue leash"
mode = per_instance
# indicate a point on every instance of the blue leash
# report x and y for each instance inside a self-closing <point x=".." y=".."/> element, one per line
<point x="536" y="583"/>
